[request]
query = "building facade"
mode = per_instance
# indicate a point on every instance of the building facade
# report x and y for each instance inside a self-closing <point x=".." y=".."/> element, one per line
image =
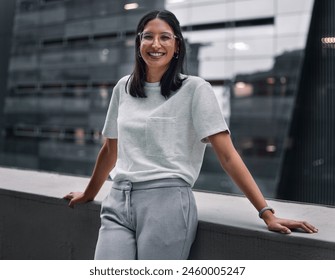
<point x="66" y="56"/>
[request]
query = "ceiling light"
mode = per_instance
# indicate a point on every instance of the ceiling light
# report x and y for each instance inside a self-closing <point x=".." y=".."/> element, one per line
<point x="240" y="46"/>
<point x="131" y="6"/>
<point x="175" y="1"/>
<point x="328" y="40"/>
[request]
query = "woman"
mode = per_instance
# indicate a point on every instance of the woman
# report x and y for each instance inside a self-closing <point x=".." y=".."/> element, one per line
<point x="156" y="128"/>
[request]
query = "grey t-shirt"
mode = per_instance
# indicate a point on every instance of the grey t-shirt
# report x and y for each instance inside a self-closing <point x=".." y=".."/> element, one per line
<point x="162" y="138"/>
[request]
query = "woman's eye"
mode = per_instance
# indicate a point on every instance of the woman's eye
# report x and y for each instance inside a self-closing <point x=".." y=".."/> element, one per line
<point x="147" y="37"/>
<point x="165" y="38"/>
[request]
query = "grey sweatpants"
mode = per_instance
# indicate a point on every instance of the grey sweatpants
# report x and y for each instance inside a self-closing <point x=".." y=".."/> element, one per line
<point x="147" y="221"/>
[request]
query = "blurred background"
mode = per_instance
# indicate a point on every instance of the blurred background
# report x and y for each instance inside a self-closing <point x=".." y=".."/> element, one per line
<point x="270" y="62"/>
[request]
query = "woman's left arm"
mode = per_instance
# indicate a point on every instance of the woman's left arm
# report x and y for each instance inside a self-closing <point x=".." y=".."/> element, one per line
<point x="232" y="163"/>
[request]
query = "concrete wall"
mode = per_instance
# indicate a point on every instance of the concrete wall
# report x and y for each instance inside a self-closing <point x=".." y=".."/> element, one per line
<point x="36" y="223"/>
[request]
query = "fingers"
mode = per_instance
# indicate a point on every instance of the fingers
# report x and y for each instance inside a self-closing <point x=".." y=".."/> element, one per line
<point x="311" y="227"/>
<point x="71" y="203"/>
<point x="305" y="226"/>
<point x="279" y="228"/>
<point x="285" y="226"/>
<point x="73" y="197"/>
<point x="68" y="196"/>
<point x="285" y="230"/>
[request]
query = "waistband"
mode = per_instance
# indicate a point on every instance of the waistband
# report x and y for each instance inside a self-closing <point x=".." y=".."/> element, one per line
<point x="151" y="184"/>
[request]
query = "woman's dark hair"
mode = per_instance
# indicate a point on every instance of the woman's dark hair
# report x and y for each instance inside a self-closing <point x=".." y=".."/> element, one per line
<point x="171" y="80"/>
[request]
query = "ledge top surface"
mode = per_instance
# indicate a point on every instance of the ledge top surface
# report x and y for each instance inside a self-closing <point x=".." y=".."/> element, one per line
<point x="229" y="210"/>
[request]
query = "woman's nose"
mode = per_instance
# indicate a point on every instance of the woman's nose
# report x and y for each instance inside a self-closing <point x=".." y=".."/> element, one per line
<point x="156" y="42"/>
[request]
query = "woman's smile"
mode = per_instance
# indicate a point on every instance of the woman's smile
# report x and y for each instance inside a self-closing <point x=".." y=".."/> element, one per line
<point x="156" y="54"/>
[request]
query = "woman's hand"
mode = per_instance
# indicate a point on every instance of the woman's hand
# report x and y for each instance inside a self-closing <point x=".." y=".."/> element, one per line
<point x="286" y="225"/>
<point x="76" y="197"/>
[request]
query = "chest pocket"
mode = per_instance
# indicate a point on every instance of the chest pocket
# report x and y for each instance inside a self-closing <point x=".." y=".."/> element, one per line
<point x="160" y="136"/>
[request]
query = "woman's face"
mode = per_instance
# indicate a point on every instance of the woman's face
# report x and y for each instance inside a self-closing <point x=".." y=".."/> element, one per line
<point x="158" y="45"/>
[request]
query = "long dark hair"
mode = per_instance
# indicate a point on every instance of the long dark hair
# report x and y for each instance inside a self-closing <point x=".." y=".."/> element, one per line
<point x="171" y="80"/>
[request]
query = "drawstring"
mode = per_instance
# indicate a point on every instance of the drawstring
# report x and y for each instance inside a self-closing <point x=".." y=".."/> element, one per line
<point x="128" y="200"/>
<point x="128" y="204"/>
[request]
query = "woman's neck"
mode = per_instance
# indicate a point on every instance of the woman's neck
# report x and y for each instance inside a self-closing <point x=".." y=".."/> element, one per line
<point x="154" y="75"/>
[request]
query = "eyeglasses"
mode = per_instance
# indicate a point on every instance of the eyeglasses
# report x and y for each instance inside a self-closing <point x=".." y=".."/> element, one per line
<point x="165" y="38"/>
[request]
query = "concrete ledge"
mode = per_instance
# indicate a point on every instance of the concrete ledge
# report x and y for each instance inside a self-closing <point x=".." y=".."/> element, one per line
<point x="35" y="223"/>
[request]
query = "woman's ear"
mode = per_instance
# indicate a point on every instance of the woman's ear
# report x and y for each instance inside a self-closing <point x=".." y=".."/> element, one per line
<point x="177" y="47"/>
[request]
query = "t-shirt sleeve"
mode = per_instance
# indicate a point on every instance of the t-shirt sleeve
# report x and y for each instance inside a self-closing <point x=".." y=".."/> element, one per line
<point x="110" y="127"/>
<point x="208" y="119"/>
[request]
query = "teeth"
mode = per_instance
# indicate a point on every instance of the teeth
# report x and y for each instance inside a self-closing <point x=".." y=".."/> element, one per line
<point x="156" y="54"/>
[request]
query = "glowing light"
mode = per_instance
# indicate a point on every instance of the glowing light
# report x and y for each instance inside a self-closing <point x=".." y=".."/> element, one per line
<point x="271" y="148"/>
<point x="242" y="89"/>
<point x="105" y="51"/>
<point x="240" y="46"/>
<point x="175" y="1"/>
<point x="328" y="40"/>
<point x="271" y="80"/>
<point x="240" y="85"/>
<point x="131" y="6"/>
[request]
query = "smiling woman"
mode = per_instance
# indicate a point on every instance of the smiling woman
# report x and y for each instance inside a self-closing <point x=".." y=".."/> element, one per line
<point x="157" y="126"/>
<point x="157" y="48"/>
<point x="159" y="55"/>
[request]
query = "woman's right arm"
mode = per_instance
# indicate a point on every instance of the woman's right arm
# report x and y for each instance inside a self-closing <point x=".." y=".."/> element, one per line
<point x="104" y="164"/>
